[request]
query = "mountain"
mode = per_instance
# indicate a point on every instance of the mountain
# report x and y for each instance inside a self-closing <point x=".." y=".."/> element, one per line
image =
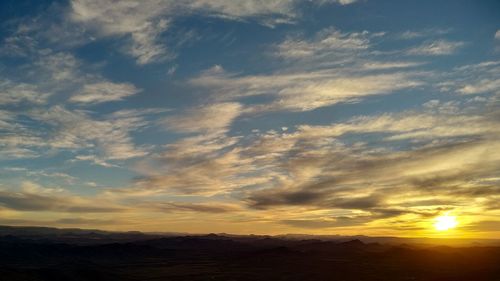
<point x="35" y="253"/>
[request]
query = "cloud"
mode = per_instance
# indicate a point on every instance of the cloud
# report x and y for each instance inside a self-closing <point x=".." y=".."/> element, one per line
<point x="327" y="42"/>
<point x="174" y="207"/>
<point x="34" y="188"/>
<point x="286" y="197"/>
<point x="94" y="138"/>
<point x="59" y="66"/>
<point x="301" y="91"/>
<point x="142" y="23"/>
<point x="28" y="201"/>
<point x="16" y="93"/>
<point x="195" y="171"/>
<point x="393" y="168"/>
<point x="84" y="221"/>
<point x="77" y="130"/>
<point x="436" y="48"/>
<point x="17" y="140"/>
<point x="337" y="183"/>
<point x="242" y="9"/>
<point x="9" y="152"/>
<point x="489" y="225"/>
<point x="425" y="33"/>
<point x="478" y="78"/>
<point x="482" y="86"/>
<point x="104" y="92"/>
<point x="18" y="45"/>
<point x="144" y="47"/>
<point x="210" y="118"/>
<point x="326" y="223"/>
<point x="376" y="65"/>
<point x="96" y="160"/>
<point x="423" y="163"/>
<point x="57" y="75"/>
<point x="68" y="179"/>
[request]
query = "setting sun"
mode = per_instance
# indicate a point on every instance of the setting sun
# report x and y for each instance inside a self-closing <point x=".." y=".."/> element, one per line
<point x="445" y="222"/>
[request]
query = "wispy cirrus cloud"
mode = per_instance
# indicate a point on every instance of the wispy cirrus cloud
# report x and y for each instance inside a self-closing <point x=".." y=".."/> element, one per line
<point x="315" y="168"/>
<point x="479" y="78"/>
<point x="302" y="91"/>
<point x="425" y="33"/>
<point x="29" y="201"/>
<point x="142" y="23"/>
<point x="436" y="48"/>
<point x="481" y="86"/>
<point x="104" y="92"/>
<point x="16" y="93"/>
<point x="105" y="138"/>
<point x="327" y="42"/>
<point x="211" y="118"/>
<point x="352" y="128"/>
<point x="175" y="207"/>
<point x="77" y="130"/>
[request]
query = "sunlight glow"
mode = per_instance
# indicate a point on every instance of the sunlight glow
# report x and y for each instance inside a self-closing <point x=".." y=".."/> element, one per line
<point x="445" y="222"/>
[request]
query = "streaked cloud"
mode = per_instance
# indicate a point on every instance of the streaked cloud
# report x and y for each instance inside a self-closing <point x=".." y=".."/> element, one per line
<point x="425" y="33"/>
<point x="28" y="201"/>
<point x="143" y="23"/>
<point x="278" y="116"/>
<point x="482" y="86"/>
<point x="326" y="42"/>
<point x="437" y="48"/>
<point x="15" y="93"/>
<point x="174" y="207"/>
<point x="104" y="92"/>
<point x="211" y="118"/>
<point x="301" y="91"/>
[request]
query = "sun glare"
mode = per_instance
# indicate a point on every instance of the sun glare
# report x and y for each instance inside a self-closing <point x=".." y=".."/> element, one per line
<point x="445" y="222"/>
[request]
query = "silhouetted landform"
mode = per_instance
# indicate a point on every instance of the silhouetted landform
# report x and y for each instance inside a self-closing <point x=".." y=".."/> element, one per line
<point x="32" y="253"/>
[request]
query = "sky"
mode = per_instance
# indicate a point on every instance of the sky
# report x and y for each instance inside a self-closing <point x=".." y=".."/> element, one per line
<point x="267" y="117"/>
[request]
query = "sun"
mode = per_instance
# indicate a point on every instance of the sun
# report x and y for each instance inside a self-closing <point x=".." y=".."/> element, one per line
<point x="445" y="222"/>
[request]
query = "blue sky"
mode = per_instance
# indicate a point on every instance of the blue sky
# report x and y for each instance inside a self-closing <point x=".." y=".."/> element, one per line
<point x="327" y="116"/>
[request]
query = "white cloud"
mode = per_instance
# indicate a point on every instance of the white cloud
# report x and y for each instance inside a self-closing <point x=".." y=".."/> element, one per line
<point x="497" y="35"/>
<point x="78" y="130"/>
<point x="341" y="2"/>
<point x="144" y="22"/>
<point x="15" y="93"/>
<point x="242" y="9"/>
<point x="310" y="169"/>
<point x="61" y="66"/>
<point x="436" y="48"/>
<point x="482" y="86"/>
<point x="139" y="20"/>
<point x="34" y="197"/>
<point x="414" y="34"/>
<point x="34" y="188"/>
<point x="95" y="160"/>
<point x="478" y="78"/>
<point x="208" y="118"/>
<point x="104" y="92"/>
<point x="145" y="47"/>
<point x="329" y="42"/>
<point x="377" y="65"/>
<point x="301" y="91"/>
<point x="18" y="45"/>
<point x="13" y="152"/>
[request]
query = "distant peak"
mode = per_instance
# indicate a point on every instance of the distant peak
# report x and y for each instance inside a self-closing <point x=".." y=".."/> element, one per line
<point x="355" y="242"/>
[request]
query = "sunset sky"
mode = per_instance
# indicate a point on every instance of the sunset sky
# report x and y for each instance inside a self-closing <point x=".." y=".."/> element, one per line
<point x="251" y="116"/>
